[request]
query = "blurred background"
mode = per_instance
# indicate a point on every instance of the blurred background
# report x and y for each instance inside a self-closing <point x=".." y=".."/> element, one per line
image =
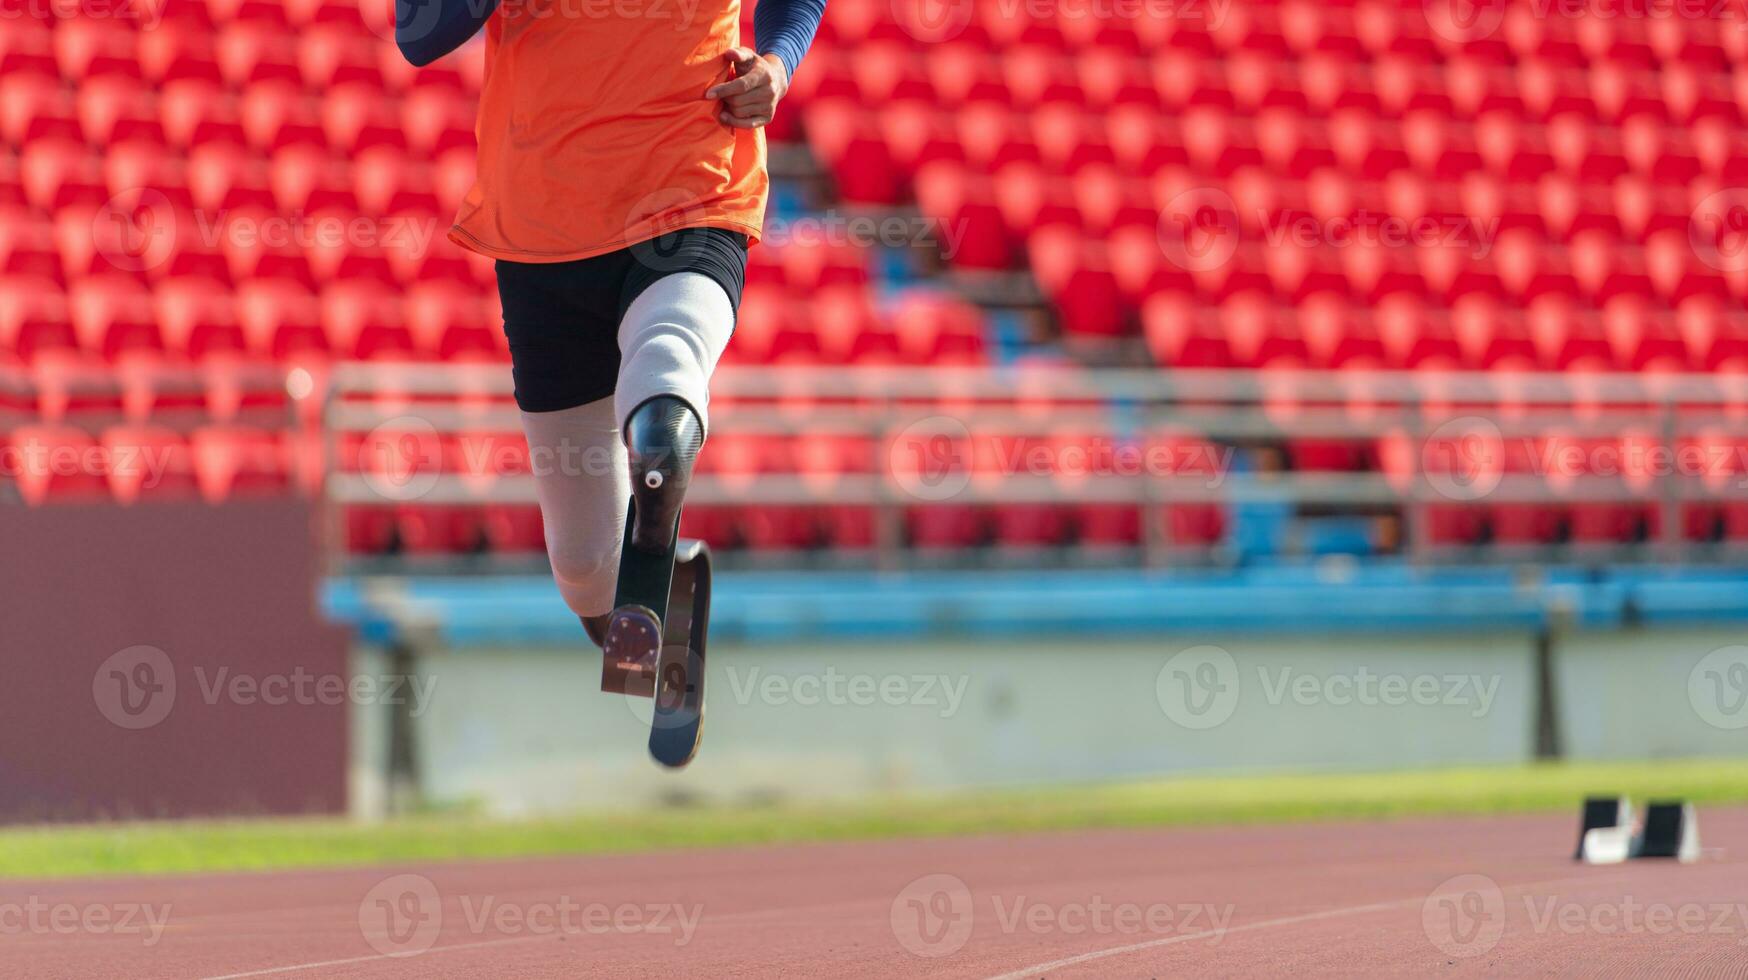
<point x="1120" y="390"/>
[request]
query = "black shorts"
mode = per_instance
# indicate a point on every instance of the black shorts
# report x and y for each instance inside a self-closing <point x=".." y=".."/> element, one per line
<point x="562" y="318"/>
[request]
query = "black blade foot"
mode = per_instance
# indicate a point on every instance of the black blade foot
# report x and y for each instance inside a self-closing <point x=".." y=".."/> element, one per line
<point x="678" y="720"/>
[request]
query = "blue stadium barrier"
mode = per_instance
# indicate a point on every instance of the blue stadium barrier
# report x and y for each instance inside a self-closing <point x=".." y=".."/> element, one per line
<point x="766" y="607"/>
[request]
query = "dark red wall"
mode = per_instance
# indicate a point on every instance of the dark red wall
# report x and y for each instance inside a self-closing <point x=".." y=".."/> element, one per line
<point x="212" y="587"/>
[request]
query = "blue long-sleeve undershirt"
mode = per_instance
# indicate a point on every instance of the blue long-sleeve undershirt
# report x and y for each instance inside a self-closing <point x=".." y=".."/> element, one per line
<point x="785" y="28"/>
<point x="426" y="30"/>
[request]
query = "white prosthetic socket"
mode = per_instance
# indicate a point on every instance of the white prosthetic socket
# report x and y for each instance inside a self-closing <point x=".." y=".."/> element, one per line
<point x="669" y="340"/>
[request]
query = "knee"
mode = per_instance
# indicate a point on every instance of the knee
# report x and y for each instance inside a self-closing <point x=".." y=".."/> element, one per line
<point x="579" y="563"/>
<point x="666" y="349"/>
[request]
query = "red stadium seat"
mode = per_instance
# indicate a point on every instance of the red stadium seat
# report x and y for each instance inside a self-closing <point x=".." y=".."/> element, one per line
<point x="235" y="461"/>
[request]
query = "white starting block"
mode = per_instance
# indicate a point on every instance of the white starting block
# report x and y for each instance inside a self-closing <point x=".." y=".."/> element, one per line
<point x="1604" y="823"/>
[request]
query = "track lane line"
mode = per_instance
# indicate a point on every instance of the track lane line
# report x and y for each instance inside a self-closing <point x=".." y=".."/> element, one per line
<point x="295" y="967"/>
<point x="1031" y="971"/>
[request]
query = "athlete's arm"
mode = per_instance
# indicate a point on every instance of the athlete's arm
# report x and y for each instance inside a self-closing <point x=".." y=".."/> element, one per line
<point x="783" y="30"/>
<point x="426" y="30"/>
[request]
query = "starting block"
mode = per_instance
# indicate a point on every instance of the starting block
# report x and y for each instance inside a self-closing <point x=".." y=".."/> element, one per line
<point x="1603" y="813"/>
<point x="1671" y="831"/>
<point x="1608" y="833"/>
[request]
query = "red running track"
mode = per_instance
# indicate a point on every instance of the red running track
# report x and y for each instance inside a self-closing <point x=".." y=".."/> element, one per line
<point x="1411" y="897"/>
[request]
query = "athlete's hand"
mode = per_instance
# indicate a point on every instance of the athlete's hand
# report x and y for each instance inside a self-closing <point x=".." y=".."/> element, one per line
<point x="750" y="98"/>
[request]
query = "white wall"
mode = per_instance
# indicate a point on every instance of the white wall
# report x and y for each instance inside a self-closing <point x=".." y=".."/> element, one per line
<point x="527" y="730"/>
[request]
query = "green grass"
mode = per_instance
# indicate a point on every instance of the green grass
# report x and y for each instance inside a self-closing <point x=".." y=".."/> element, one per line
<point x="196" y="846"/>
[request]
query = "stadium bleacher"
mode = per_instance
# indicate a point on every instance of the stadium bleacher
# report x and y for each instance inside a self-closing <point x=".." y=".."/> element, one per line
<point x="170" y="193"/>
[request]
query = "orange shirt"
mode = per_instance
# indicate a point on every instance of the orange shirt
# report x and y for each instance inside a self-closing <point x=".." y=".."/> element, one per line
<point x="594" y="133"/>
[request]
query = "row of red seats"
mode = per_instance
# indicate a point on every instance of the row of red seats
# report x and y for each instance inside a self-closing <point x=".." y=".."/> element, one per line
<point x="511" y="529"/>
<point x="1638" y="33"/>
<point x="150" y="239"/>
<point x="1034" y="78"/>
<point x="366" y="319"/>
<point x="1214" y="143"/>
<point x="1404" y="331"/>
<point x="347" y="118"/>
<point x="1530" y="525"/>
<point x="129" y="463"/>
<point x="200" y="318"/>
<point x="876" y="153"/>
<point x="238" y="53"/>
